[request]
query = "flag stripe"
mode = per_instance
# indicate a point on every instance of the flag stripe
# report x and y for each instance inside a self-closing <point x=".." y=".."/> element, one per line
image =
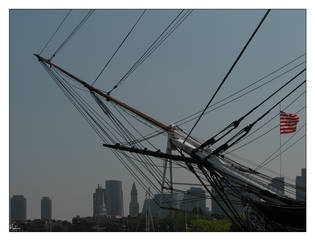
<point x="288" y="122"/>
<point x="288" y="132"/>
<point x="282" y="129"/>
<point x="288" y="117"/>
<point x="288" y="128"/>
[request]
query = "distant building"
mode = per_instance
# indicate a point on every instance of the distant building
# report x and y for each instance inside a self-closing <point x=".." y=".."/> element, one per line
<point x="114" y="198"/>
<point x="160" y="204"/>
<point x="194" y="198"/>
<point x="18" y="208"/>
<point x="176" y="199"/>
<point x="134" y="205"/>
<point x="45" y="205"/>
<point x="300" y="182"/>
<point x="277" y="183"/>
<point x="99" y="202"/>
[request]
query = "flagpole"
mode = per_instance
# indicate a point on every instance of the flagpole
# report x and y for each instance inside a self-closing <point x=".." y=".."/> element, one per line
<point x="280" y="137"/>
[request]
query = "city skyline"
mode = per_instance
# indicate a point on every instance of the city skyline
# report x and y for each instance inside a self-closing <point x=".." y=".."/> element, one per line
<point x="98" y="196"/>
<point x="72" y="154"/>
<point x="191" y="199"/>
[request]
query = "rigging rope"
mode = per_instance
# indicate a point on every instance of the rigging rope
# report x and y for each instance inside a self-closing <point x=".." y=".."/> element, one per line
<point x="235" y="216"/>
<point x="253" y="164"/>
<point x="266" y="163"/>
<point x="156" y="169"/>
<point x="256" y="138"/>
<point x="290" y="188"/>
<point x="128" y="136"/>
<point x="242" y="133"/>
<point x="190" y="118"/>
<point x="275" y="116"/>
<point x="78" y="102"/>
<point x="90" y="109"/>
<point x="157" y="42"/>
<point x="184" y="120"/>
<point x="85" y="18"/>
<point x="228" y="73"/>
<point x="211" y="194"/>
<point x="233" y="125"/>
<point x="120" y="45"/>
<point x="137" y="131"/>
<point x="52" y="36"/>
<point x="283" y="144"/>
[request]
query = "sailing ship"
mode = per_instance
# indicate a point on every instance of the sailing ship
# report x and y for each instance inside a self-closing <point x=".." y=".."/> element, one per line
<point x="266" y="207"/>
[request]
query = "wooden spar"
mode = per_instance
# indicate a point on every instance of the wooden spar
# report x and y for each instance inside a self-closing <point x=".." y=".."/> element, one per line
<point x="108" y="97"/>
<point x="157" y="154"/>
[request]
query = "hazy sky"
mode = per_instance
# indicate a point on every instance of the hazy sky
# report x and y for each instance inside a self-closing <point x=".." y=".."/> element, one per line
<point x="53" y="151"/>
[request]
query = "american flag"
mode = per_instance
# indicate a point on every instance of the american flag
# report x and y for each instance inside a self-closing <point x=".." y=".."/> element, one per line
<point x="288" y="122"/>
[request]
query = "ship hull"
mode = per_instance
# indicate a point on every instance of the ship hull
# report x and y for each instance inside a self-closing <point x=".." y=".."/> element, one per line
<point x="289" y="217"/>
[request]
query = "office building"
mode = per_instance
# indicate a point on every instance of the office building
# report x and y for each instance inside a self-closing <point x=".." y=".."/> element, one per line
<point x="114" y="198"/>
<point x="134" y="205"/>
<point x="18" y="208"/>
<point x="300" y="182"/>
<point x="99" y="202"/>
<point x="45" y="208"/>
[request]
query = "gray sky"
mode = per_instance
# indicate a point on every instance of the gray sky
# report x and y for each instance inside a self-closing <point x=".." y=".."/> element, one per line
<point x="53" y="151"/>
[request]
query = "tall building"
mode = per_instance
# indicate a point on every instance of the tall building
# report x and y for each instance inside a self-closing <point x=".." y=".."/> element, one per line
<point x="45" y="205"/>
<point x="300" y="182"/>
<point x="114" y="198"/>
<point x="99" y="202"/>
<point x="194" y="198"/>
<point x="134" y="205"/>
<point x="18" y="208"/>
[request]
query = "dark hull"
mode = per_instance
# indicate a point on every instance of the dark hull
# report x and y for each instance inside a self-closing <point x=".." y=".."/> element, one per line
<point x="288" y="218"/>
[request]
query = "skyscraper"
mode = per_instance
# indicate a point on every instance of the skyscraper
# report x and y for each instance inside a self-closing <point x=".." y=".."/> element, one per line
<point x="114" y="198"/>
<point x="45" y="205"/>
<point x="134" y="205"/>
<point x="300" y="182"/>
<point x="18" y="208"/>
<point x="99" y="202"/>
